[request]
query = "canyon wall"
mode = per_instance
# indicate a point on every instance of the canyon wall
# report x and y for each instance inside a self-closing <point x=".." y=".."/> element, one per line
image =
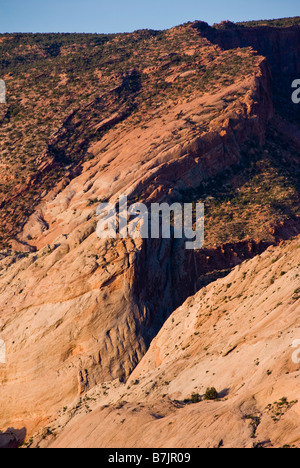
<point x="281" y="46"/>
<point x="80" y="311"/>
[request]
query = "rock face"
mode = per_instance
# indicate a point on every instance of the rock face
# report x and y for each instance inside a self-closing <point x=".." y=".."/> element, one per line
<point x="12" y="438"/>
<point x="281" y="46"/>
<point x="78" y="311"/>
<point x="98" y="304"/>
<point x="226" y="336"/>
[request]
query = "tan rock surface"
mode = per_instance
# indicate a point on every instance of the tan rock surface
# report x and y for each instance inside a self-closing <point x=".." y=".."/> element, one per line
<point x="225" y="336"/>
<point x="78" y="314"/>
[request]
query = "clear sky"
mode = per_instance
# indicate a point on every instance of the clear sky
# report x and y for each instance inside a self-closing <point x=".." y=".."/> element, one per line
<point x="109" y="16"/>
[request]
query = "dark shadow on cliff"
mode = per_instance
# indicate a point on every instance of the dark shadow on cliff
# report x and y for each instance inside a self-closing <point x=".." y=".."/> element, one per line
<point x="12" y="438"/>
<point x="267" y="176"/>
<point x="281" y="47"/>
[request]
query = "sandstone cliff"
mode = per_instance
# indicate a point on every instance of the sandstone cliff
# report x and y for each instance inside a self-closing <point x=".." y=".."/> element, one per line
<point x="78" y="312"/>
<point x="236" y="335"/>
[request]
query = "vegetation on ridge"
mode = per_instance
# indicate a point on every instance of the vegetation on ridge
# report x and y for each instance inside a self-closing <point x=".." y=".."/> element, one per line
<point x="57" y="82"/>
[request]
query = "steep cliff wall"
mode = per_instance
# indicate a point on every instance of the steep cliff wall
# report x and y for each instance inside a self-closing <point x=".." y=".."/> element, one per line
<point x="80" y="310"/>
<point x="77" y="311"/>
<point x="281" y="46"/>
<point x="238" y="335"/>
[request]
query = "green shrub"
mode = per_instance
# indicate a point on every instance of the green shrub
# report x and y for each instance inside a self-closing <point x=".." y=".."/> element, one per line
<point x="211" y="394"/>
<point x="196" y="398"/>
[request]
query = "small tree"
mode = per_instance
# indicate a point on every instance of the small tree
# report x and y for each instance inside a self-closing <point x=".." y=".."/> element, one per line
<point x="196" y="398"/>
<point x="211" y="394"/>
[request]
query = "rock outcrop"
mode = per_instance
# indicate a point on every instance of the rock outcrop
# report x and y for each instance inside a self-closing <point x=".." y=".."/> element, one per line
<point x="81" y="310"/>
<point x="239" y="335"/>
<point x="281" y="46"/>
<point x="77" y="311"/>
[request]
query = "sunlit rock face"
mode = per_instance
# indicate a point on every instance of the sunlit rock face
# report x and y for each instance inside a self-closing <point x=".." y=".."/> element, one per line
<point x="182" y="121"/>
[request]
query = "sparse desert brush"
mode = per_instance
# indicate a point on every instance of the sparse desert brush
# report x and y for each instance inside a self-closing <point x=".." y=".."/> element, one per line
<point x="211" y="394"/>
<point x="196" y="398"/>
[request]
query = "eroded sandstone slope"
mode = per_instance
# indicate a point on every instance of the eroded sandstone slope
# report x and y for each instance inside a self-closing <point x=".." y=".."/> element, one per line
<point x="77" y="311"/>
<point x="236" y="335"/>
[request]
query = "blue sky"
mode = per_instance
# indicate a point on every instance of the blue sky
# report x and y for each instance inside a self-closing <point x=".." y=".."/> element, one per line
<point x="109" y="16"/>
